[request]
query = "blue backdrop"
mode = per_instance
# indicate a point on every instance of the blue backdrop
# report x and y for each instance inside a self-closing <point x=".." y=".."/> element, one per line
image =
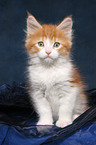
<point x="13" y="58"/>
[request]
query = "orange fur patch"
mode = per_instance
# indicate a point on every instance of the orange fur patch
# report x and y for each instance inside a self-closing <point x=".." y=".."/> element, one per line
<point x="77" y="78"/>
<point x="51" y="32"/>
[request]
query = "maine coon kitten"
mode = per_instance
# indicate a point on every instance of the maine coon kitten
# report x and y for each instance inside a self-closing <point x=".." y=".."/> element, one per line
<point x="55" y="85"/>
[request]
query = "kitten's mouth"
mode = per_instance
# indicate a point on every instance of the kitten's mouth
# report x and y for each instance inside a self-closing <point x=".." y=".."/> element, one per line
<point x="48" y="59"/>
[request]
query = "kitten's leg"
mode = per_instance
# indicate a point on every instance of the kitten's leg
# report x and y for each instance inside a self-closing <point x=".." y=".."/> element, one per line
<point x="81" y="105"/>
<point x="67" y="103"/>
<point x="43" y="108"/>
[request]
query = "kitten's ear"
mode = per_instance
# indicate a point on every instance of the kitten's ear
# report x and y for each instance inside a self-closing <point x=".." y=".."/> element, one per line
<point x="32" y="24"/>
<point x="66" y="26"/>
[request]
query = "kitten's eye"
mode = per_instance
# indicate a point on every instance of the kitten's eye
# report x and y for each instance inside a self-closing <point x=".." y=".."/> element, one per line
<point x="41" y="44"/>
<point x="56" y="44"/>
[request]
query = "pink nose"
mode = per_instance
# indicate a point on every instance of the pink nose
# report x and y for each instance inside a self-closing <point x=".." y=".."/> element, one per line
<point x="48" y="53"/>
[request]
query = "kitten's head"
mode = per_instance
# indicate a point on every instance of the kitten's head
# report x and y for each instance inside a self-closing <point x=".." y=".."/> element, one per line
<point x="48" y="42"/>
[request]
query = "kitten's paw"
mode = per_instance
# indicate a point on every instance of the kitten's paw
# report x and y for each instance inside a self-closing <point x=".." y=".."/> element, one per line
<point x="63" y="123"/>
<point x="44" y="123"/>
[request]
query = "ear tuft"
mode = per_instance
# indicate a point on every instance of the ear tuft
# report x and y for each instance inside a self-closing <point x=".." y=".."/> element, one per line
<point x="66" y="26"/>
<point x="32" y="25"/>
<point x="28" y="14"/>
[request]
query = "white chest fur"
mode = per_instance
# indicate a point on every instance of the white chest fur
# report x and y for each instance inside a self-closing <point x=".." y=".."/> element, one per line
<point x="48" y="76"/>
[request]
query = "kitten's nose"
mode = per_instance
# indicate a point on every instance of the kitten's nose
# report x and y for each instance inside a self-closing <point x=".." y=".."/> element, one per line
<point x="48" y="52"/>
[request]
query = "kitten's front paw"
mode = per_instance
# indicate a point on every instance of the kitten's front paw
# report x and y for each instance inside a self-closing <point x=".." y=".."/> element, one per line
<point x="63" y="123"/>
<point x="44" y="123"/>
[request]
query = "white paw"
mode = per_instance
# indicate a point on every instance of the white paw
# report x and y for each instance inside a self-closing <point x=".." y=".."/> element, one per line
<point x="44" y="123"/>
<point x="63" y="123"/>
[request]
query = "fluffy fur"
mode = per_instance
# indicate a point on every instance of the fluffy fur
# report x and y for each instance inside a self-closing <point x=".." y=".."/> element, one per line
<point x="56" y="88"/>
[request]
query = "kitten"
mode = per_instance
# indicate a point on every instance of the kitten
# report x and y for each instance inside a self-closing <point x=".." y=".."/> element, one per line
<point x="55" y="85"/>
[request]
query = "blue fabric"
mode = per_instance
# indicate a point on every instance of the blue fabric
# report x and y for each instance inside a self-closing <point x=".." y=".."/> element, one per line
<point x="3" y="132"/>
<point x="12" y="136"/>
<point x="84" y="136"/>
<point x="18" y="122"/>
